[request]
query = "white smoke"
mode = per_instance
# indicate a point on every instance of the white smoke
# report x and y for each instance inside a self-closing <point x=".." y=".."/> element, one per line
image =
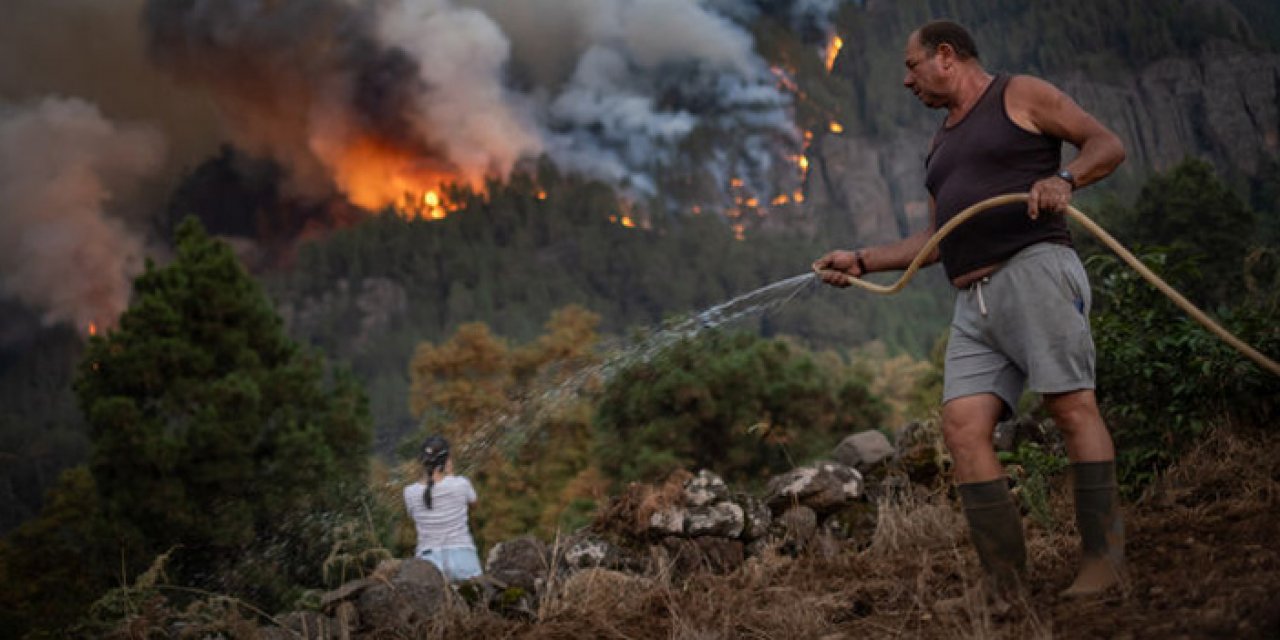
<point x="621" y="84"/>
<point x="612" y="89"/>
<point x="465" y="109"/>
<point x="61" y="166"/>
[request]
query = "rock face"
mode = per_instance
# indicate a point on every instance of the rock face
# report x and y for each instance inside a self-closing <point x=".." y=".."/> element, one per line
<point x="1222" y="105"/>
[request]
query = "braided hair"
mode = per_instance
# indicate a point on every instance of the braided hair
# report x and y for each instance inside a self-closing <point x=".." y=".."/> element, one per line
<point x="435" y="453"/>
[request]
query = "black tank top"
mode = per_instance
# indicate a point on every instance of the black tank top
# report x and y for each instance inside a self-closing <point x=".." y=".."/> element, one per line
<point x="985" y="155"/>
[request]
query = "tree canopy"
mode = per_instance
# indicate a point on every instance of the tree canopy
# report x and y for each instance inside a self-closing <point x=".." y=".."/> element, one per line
<point x="209" y="426"/>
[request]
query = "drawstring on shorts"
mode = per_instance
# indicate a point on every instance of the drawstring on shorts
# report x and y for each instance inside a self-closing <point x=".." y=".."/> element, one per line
<point x="976" y="287"/>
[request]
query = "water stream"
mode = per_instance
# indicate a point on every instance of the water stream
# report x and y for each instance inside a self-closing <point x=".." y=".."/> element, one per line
<point x="510" y="429"/>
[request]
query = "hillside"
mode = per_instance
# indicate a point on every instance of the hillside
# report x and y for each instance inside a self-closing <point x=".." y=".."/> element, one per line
<point x="1205" y="563"/>
<point x="1202" y="555"/>
<point x="1202" y="549"/>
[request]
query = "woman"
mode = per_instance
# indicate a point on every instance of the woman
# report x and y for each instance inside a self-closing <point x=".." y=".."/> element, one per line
<point x="438" y="505"/>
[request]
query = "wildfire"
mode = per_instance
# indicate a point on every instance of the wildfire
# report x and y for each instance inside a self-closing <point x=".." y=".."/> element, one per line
<point x="833" y="50"/>
<point x="836" y="127"/>
<point x="739" y="232"/>
<point x="93" y="329"/>
<point x="624" y="220"/>
<point x="375" y="174"/>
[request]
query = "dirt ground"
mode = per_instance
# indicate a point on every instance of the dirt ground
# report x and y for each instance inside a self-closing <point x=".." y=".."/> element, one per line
<point x="1203" y="549"/>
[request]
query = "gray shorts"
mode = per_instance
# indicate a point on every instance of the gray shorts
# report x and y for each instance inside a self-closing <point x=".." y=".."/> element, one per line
<point x="1024" y="326"/>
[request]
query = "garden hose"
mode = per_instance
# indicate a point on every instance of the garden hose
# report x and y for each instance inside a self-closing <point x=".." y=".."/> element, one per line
<point x="1092" y="227"/>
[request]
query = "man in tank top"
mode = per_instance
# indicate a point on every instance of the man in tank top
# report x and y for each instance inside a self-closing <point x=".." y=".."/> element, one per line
<point x="1021" y="316"/>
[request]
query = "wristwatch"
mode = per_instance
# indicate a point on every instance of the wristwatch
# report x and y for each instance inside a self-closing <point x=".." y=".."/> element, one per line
<point x="1068" y="176"/>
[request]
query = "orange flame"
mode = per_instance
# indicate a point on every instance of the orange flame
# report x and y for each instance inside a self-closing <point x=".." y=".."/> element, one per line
<point x="833" y="50"/>
<point x="93" y="329"/>
<point x="375" y="174"/>
<point x="836" y="127"/>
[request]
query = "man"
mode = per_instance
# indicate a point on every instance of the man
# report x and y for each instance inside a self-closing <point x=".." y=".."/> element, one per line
<point x="1021" y="315"/>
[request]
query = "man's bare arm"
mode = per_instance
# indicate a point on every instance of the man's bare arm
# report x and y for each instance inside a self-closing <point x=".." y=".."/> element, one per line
<point x="1040" y="107"/>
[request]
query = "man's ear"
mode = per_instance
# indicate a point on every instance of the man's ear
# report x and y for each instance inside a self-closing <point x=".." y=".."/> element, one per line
<point x="946" y="55"/>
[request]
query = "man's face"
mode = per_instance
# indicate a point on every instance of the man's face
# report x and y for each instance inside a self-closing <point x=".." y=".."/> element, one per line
<point x="925" y="76"/>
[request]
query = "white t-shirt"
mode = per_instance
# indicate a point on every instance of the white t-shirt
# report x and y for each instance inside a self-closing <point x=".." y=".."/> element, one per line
<point x="445" y="523"/>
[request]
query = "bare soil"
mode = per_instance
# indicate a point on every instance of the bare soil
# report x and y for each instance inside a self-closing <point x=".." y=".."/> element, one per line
<point x="1203" y="550"/>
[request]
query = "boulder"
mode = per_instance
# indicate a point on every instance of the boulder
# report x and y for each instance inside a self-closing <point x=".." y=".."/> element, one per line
<point x="723" y="519"/>
<point x="704" y="489"/>
<point x="825" y="488"/>
<point x="669" y="521"/>
<point x="404" y="596"/>
<point x="864" y="450"/>
<point x="587" y="550"/>
<point x="523" y="562"/>
<point x="757" y="517"/>
<point x="922" y="455"/>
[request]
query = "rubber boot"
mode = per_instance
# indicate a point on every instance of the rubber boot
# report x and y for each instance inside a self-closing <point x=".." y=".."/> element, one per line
<point x="1101" y="529"/>
<point x="995" y="527"/>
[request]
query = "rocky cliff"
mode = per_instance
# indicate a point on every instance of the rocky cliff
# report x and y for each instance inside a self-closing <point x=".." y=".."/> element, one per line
<point x="1222" y="104"/>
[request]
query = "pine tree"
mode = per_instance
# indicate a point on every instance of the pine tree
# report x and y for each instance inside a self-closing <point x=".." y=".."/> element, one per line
<point x="210" y="428"/>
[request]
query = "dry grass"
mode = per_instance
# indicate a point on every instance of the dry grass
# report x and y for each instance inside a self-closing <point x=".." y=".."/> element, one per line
<point x="1215" y="512"/>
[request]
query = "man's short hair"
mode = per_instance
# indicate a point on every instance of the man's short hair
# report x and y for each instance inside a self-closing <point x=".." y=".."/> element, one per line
<point x="938" y="32"/>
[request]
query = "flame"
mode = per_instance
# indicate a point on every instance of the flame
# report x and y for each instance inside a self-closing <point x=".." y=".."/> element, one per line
<point x="628" y="222"/>
<point x="542" y="195"/>
<point x="780" y="199"/>
<point x="785" y="80"/>
<point x="798" y="196"/>
<point x="93" y="329"/>
<point x="833" y="50"/>
<point x="739" y="232"/>
<point x="374" y="174"/>
<point x="752" y="202"/>
<point x="836" y="127"/>
<point x="735" y="182"/>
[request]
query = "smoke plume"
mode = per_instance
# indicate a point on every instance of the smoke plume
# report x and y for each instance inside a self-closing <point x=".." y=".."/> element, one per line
<point x="383" y="100"/>
<point x="61" y="165"/>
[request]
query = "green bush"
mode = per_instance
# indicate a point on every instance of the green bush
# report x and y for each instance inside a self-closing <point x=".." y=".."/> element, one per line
<point x="742" y="406"/>
<point x="1163" y="378"/>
